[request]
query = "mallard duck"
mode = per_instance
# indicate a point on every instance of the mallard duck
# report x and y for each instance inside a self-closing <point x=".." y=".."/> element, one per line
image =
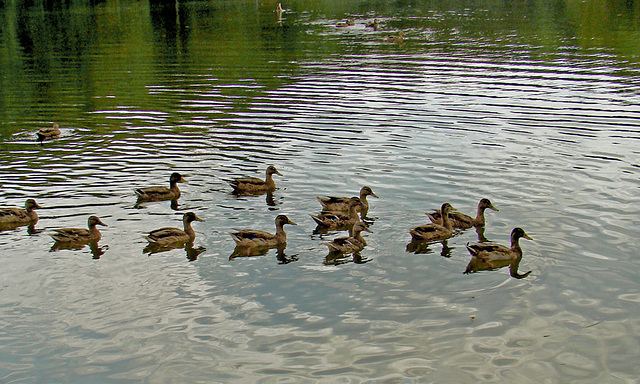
<point x="374" y="24"/>
<point x="25" y="216"/>
<point x="353" y="243"/>
<point x="347" y="23"/>
<point x="80" y="235"/>
<point x="254" y="185"/>
<point x="433" y="231"/>
<point x="169" y="235"/>
<point x="48" y="133"/>
<point x="460" y="220"/>
<point x="341" y="204"/>
<point x="329" y="220"/>
<point x="252" y="238"/>
<point x="162" y="193"/>
<point x="497" y="255"/>
<point x="399" y="38"/>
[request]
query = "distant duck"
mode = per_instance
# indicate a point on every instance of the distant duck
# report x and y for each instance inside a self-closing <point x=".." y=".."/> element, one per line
<point x="462" y="221"/>
<point x="254" y="185"/>
<point x="353" y="243"/>
<point x="374" y="24"/>
<point x="162" y="193"/>
<point x="497" y="255"/>
<point x="48" y="133"/>
<point x="19" y="216"/>
<point x="399" y="38"/>
<point x="170" y="235"/>
<point x="341" y="204"/>
<point x="253" y="238"/>
<point x="347" y="23"/>
<point x="332" y="221"/>
<point x="433" y="231"/>
<point x="80" y="235"/>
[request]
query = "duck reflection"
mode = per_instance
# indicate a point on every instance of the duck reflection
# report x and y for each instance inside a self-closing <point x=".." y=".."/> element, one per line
<point x="491" y="256"/>
<point x="338" y="258"/>
<point x="31" y="228"/>
<point x="248" y="251"/>
<point x="424" y="247"/>
<point x="96" y="250"/>
<point x="192" y="252"/>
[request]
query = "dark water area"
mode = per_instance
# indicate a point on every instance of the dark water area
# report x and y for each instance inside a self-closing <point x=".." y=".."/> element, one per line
<point x="534" y="105"/>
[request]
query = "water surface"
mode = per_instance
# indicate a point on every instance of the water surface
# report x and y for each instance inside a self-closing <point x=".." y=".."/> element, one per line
<point x="535" y="108"/>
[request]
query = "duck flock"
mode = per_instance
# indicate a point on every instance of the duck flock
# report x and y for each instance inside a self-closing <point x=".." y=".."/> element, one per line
<point x="338" y="214"/>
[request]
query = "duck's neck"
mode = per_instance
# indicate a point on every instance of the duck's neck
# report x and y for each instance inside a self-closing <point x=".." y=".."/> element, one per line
<point x="269" y="181"/>
<point x="189" y="230"/>
<point x="281" y="236"/>
<point x="94" y="231"/>
<point x="515" y="245"/>
<point x="446" y="221"/>
<point x="363" y="198"/>
<point x="353" y="215"/>
<point x="479" y="220"/>
<point x="358" y="237"/>
<point x="32" y="213"/>
<point x="173" y="185"/>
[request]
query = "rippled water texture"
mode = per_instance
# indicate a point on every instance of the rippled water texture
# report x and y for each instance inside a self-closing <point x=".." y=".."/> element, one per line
<point x="535" y="108"/>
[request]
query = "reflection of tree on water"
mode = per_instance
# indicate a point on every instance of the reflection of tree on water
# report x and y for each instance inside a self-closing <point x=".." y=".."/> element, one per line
<point x="96" y="250"/>
<point x="281" y="256"/>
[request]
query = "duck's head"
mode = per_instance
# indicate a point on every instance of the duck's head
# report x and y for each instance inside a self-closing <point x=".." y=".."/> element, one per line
<point x="486" y="203"/>
<point x="518" y="233"/>
<point x="446" y="208"/>
<point x="190" y="217"/>
<point x="94" y="220"/>
<point x="283" y="219"/>
<point x="361" y="227"/>
<point x="31" y="204"/>
<point x="176" y="178"/>
<point x="366" y="191"/>
<point x="271" y="170"/>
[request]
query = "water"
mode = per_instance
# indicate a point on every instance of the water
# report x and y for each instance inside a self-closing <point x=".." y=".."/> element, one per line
<point x="517" y="105"/>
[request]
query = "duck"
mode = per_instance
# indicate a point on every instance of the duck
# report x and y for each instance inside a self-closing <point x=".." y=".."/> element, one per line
<point x="341" y="204"/>
<point x="433" y="231"/>
<point x="14" y="216"/>
<point x="374" y="24"/>
<point x="80" y="235"/>
<point x="498" y="255"/>
<point x="347" y="23"/>
<point x="169" y="235"/>
<point x="399" y="38"/>
<point x="254" y="185"/>
<point x="49" y="132"/>
<point x="331" y="220"/>
<point x="460" y="220"/>
<point x="159" y="193"/>
<point x="253" y="238"/>
<point x="353" y="243"/>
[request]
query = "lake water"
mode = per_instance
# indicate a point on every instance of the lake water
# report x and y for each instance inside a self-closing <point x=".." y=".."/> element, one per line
<point x="536" y="107"/>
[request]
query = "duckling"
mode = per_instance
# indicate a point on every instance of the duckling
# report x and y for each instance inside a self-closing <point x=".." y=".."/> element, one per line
<point x="10" y="216"/>
<point x="251" y="238"/>
<point x="399" y="38"/>
<point x="354" y="243"/>
<point x="169" y="235"/>
<point x="80" y="235"/>
<point x="162" y="193"/>
<point x="373" y="25"/>
<point x="329" y="220"/>
<point x="49" y="133"/>
<point x="497" y="255"/>
<point x="254" y="185"/>
<point x="433" y="231"/>
<point x="341" y="204"/>
<point x="460" y="220"/>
